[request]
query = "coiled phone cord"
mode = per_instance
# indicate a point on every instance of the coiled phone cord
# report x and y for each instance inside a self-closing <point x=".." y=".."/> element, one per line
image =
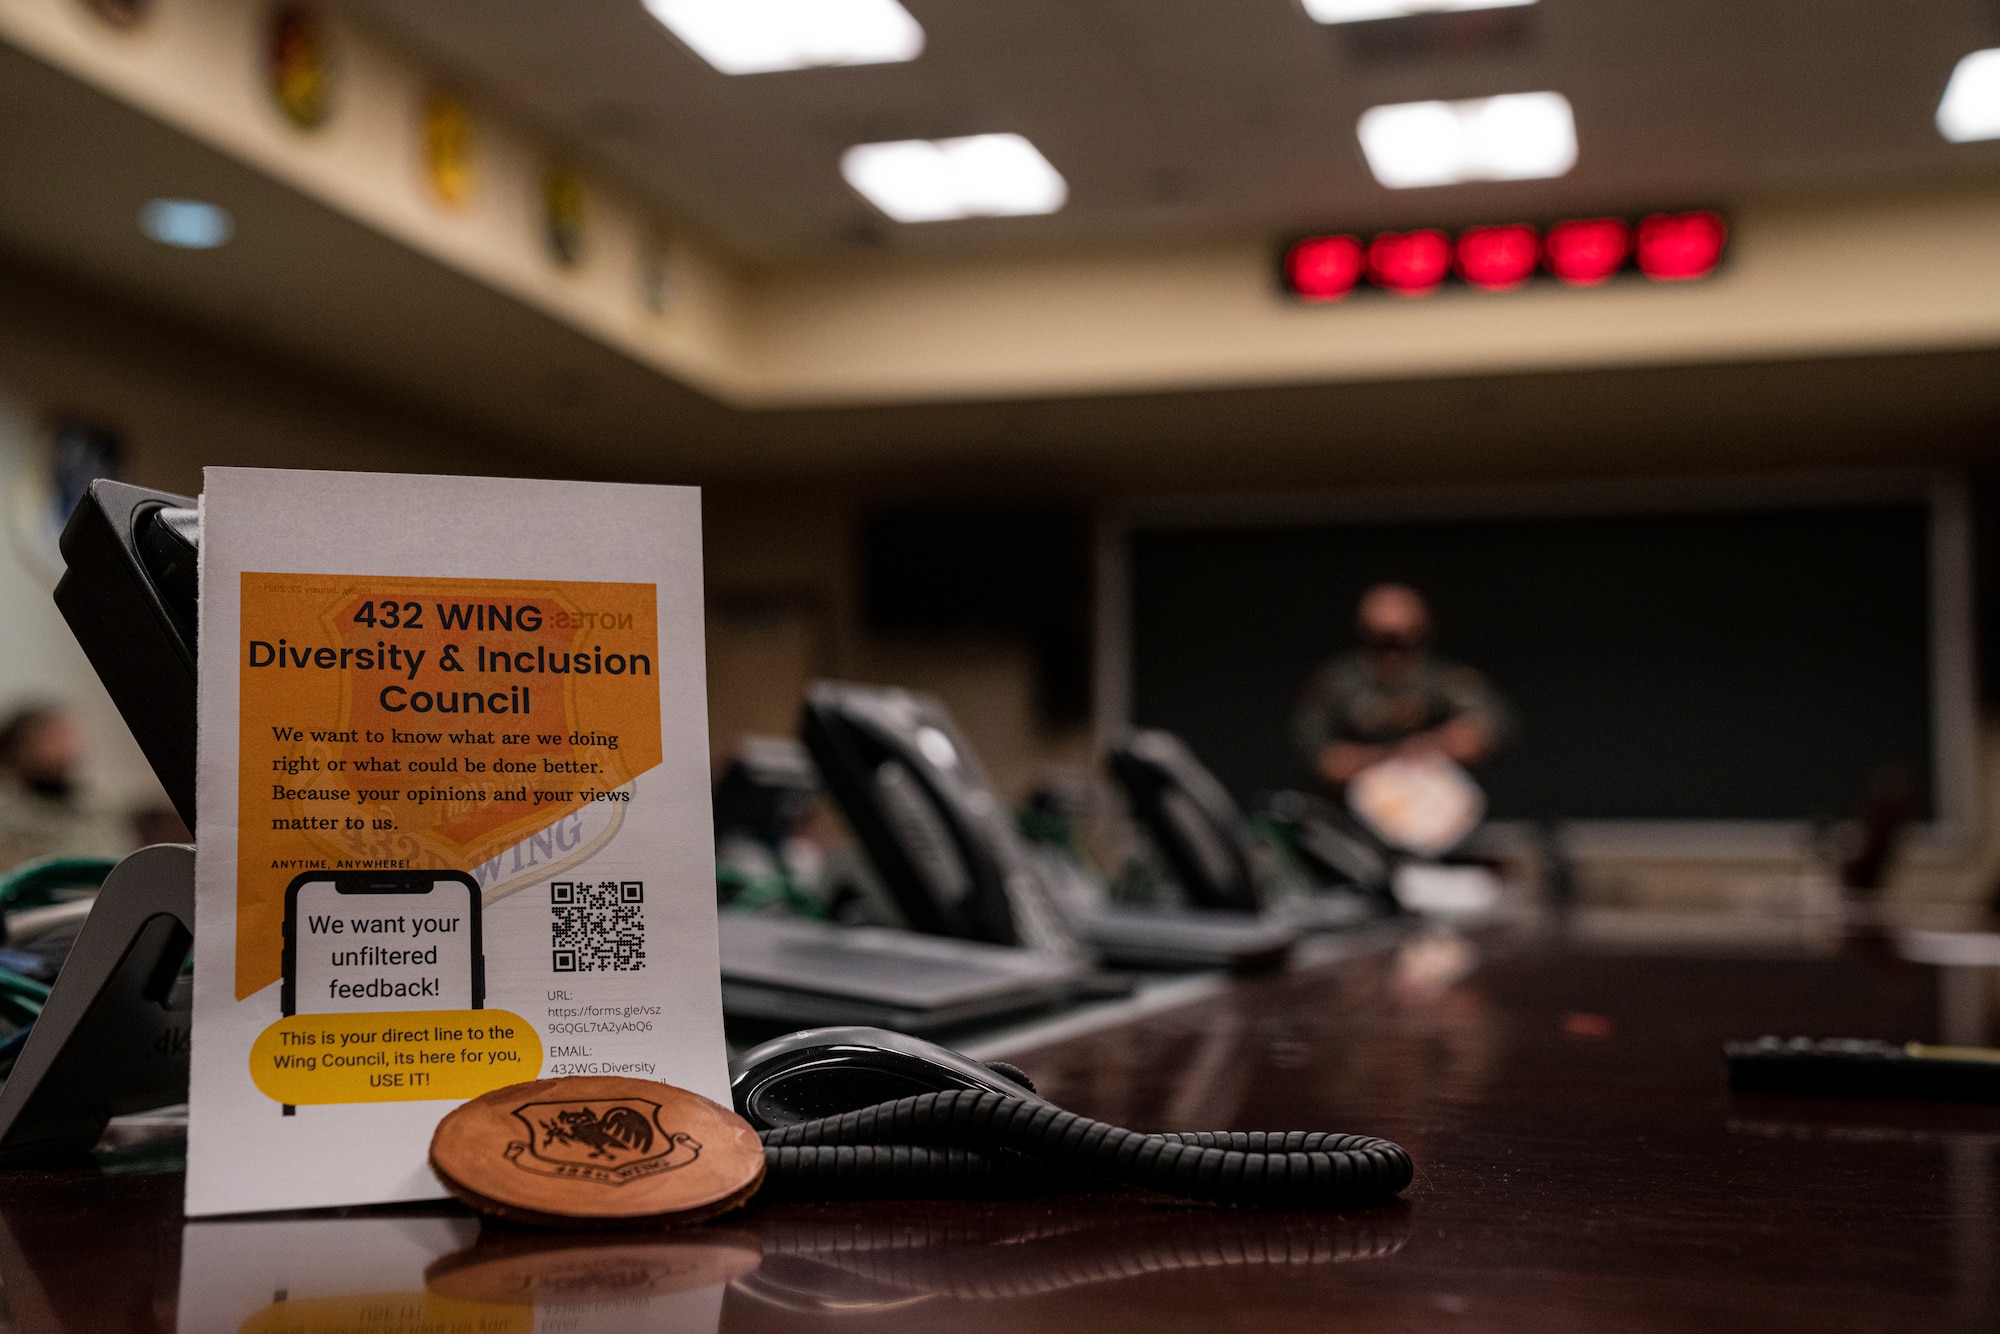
<point x="974" y="1141"/>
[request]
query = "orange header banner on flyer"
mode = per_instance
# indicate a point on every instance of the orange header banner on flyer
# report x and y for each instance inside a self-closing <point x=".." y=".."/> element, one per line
<point x="414" y="724"/>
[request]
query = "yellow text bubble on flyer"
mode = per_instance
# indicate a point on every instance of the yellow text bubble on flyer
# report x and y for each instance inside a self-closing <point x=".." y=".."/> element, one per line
<point x="408" y="724"/>
<point x="393" y="1056"/>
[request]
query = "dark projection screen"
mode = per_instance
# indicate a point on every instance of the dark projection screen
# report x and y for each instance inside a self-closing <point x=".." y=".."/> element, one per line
<point x="1736" y="665"/>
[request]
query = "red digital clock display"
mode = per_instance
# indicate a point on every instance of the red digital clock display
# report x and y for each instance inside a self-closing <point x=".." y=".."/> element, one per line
<point x="1498" y="257"/>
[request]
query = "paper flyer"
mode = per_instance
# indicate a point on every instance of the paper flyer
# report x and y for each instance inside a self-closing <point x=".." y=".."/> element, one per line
<point x="453" y="818"/>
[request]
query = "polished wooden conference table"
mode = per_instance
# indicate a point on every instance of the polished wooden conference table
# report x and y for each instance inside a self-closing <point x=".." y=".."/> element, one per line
<point x="1581" y="1166"/>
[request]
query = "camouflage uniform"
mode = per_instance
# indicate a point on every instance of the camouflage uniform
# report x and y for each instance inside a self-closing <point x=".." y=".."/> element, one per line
<point x="1346" y="701"/>
<point x="36" y="826"/>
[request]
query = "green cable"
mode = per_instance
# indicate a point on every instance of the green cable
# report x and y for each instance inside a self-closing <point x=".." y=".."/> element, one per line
<point x="21" y="1009"/>
<point x="755" y="892"/>
<point x="33" y="883"/>
<point x="30" y="991"/>
<point x="1277" y="835"/>
<point x="1039" y="826"/>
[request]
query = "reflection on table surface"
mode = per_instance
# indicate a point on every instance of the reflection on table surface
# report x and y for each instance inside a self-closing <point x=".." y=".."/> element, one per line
<point x="410" y="1273"/>
<point x="1581" y="1165"/>
<point x="407" y="1273"/>
<point x="824" y="1262"/>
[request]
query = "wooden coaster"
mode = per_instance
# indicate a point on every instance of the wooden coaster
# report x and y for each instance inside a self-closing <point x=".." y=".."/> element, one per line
<point x="597" y="1151"/>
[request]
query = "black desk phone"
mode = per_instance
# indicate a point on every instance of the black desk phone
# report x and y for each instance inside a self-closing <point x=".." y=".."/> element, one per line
<point x="948" y="853"/>
<point x="113" y="1035"/>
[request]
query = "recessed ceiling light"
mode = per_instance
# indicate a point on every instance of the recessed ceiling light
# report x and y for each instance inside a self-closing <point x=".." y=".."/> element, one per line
<point x="933" y="180"/>
<point x="760" y="36"/>
<point x="1516" y="137"/>
<point x="187" y="224"/>
<point x="1362" y="11"/>
<point x="1970" y="108"/>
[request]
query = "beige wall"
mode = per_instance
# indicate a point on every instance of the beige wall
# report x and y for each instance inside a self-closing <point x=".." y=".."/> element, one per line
<point x="198" y="65"/>
<point x="784" y="593"/>
<point x="186" y="397"/>
<point x="182" y="400"/>
<point x="782" y="560"/>
<point x="779" y="563"/>
<point x="39" y="661"/>
<point x="1829" y="276"/>
<point x="1849" y="275"/>
<point x="783" y="555"/>
<point x="1945" y="888"/>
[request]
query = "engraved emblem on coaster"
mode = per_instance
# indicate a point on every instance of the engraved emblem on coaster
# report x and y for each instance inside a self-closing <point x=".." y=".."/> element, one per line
<point x="611" y="1142"/>
<point x="597" y="1151"/>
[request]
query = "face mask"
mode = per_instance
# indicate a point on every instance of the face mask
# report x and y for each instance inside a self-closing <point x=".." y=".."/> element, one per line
<point x="55" y="789"/>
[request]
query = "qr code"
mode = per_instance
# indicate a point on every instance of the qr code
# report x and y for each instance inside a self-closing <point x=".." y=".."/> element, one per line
<point x="598" y="928"/>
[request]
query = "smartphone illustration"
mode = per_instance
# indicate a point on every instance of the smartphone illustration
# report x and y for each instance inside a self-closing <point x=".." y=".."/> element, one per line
<point x="357" y="941"/>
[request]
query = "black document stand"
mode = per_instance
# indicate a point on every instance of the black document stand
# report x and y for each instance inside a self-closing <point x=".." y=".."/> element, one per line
<point x="113" y="1036"/>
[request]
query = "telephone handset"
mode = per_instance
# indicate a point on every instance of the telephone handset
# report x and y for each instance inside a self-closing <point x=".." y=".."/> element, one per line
<point x="930" y="824"/>
<point x="1191" y="818"/>
<point x="129" y="594"/>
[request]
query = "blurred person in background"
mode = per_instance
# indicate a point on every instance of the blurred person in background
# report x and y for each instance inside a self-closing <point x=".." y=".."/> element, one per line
<point x="41" y="756"/>
<point x="1394" y="696"/>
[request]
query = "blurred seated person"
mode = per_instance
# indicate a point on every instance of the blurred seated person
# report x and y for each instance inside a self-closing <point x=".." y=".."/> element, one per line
<point x="41" y="755"/>
<point x="1394" y="696"/>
